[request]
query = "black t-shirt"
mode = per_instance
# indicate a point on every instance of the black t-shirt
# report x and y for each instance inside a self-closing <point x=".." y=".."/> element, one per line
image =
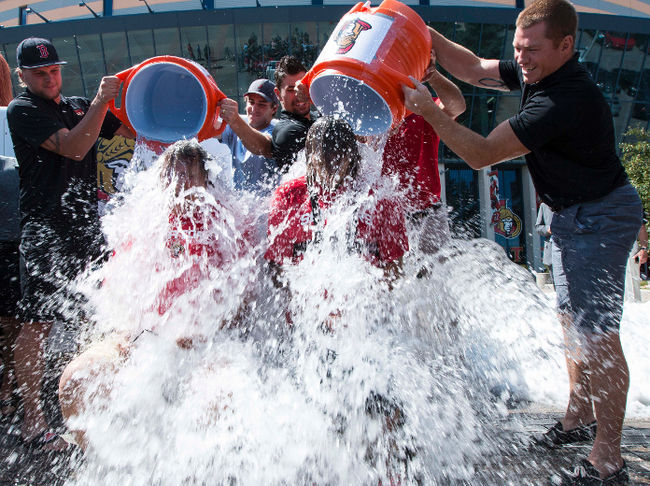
<point x="53" y="188"/>
<point x="289" y="135"/>
<point x="567" y="125"/>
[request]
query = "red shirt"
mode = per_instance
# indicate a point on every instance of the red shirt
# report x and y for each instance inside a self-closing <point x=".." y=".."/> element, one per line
<point x="411" y="155"/>
<point x="194" y="236"/>
<point x="380" y="230"/>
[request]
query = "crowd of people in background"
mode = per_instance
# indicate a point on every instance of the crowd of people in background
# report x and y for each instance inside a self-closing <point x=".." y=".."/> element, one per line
<point x="562" y="117"/>
<point x="255" y="57"/>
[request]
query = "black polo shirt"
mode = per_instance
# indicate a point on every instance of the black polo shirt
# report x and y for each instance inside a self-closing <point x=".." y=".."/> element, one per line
<point x="53" y="188"/>
<point x="567" y="125"/>
<point x="289" y="135"/>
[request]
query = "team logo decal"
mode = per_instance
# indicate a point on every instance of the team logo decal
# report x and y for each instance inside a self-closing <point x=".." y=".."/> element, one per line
<point x="175" y="243"/>
<point x="507" y="223"/>
<point x="306" y="219"/>
<point x="348" y="35"/>
<point x="42" y="51"/>
<point x="113" y="158"/>
<point x="79" y="112"/>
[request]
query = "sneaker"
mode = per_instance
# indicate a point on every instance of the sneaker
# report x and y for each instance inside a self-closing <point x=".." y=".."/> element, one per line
<point x="556" y="436"/>
<point x="585" y="474"/>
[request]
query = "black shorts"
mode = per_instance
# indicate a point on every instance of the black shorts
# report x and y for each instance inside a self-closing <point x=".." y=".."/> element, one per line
<point x="50" y="260"/>
<point x="9" y="278"/>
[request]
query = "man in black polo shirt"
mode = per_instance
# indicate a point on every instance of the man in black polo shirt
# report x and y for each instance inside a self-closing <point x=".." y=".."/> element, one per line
<point x="564" y="128"/>
<point x="54" y="141"/>
<point x="290" y="132"/>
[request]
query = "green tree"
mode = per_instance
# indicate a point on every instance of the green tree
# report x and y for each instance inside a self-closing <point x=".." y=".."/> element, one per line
<point x="635" y="155"/>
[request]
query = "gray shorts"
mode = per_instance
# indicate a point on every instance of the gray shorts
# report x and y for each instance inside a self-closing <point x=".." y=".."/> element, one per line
<point x="592" y="244"/>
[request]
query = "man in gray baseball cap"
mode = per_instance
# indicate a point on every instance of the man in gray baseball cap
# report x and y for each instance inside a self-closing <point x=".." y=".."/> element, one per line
<point x="250" y="171"/>
<point x="264" y="88"/>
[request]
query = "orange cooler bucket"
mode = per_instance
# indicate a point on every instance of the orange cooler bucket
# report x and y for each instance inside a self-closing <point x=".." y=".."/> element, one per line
<point x="360" y="72"/>
<point x="168" y="98"/>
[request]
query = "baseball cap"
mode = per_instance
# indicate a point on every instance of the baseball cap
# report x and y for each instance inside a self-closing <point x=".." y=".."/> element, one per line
<point x="264" y="88"/>
<point x="35" y="52"/>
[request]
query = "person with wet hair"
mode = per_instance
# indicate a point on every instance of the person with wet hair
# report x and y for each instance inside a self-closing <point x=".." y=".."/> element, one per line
<point x="196" y="242"/>
<point x="184" y="163"/>
<point x="333" y="155"/>
<point x="565" y="131"/>
<point x="295" y="217"/>
<point x="376" y="232"/>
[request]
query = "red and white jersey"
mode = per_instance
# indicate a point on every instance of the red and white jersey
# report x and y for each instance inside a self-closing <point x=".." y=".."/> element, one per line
<point x="411" y="155"/>
<point x="196" y="237"/>
<point x="380" y="230"/>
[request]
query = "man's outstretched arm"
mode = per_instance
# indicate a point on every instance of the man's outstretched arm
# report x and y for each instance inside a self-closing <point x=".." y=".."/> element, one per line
<point x="256" y="142"/>
<point x="465" y="65"/>
<point x="477" y="151"/>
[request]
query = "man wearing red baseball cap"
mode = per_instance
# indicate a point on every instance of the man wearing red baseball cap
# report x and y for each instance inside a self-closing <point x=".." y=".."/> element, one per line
<point x="54" y="140"/>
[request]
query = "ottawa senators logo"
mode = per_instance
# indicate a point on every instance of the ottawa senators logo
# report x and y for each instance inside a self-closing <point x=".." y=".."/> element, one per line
<point x="507" y="223"/>
<point x="348" y="35"/>
<point x="176" y="244"/>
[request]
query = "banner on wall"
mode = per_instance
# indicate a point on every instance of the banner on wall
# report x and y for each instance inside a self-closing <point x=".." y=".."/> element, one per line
<point x="505" y="221"/>
<point x="113" y="158"/>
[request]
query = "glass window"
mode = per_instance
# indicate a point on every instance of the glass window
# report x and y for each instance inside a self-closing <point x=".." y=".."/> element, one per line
<point x="303" y="42"/>
<point x="9" y="52"/>
<point x="194" y="41"/>
<point x="251" y="58"/>
<point x="461" y="187"/>
<point x="480" y="111"/>
<point x="141" y="45"/>
<point x="91" y="53"/>
<point x="167" y="42"/>
<point x="493" y="38"/>
<point x="276" y="40"/>
<point x="116" y="52"/>
<point x="640" y="109"/>
<point x="73" y="85"/>
<point x="468" y="35"/>
<point x="445" y="28"/>
<point x="222" y="62"/>
<point x="325" y="30"/>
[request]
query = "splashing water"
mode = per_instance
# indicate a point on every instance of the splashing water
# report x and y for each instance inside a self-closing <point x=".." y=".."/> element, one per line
<point x="363" y="383"/>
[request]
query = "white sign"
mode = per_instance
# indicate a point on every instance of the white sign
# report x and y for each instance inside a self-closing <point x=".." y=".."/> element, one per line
<point x="357" y="36"/>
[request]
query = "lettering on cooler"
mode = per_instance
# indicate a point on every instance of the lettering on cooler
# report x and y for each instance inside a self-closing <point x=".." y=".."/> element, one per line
<point x="357" y="37"/>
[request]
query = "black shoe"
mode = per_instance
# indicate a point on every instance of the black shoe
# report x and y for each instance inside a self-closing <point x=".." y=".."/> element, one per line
<point x="585" y="474"/>
<point x="556" y="436"/>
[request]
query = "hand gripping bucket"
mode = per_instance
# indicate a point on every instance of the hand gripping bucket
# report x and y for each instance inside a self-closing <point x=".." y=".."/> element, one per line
<point x="167" y="98"/>
<point x="360" y="72"/>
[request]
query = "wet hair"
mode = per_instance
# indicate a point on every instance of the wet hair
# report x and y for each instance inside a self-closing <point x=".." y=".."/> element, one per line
<point x="186" y="150"/>
<point x="560" y="17"/>
<point x="288" y="66"/>
<point x="332" y="153"/>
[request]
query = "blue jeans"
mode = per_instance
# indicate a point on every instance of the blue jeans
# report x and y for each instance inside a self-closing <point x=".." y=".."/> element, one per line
<point x="592" y="244"/>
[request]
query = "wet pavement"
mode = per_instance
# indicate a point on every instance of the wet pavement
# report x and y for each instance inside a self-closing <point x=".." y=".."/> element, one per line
<point x="511" y="460"/>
